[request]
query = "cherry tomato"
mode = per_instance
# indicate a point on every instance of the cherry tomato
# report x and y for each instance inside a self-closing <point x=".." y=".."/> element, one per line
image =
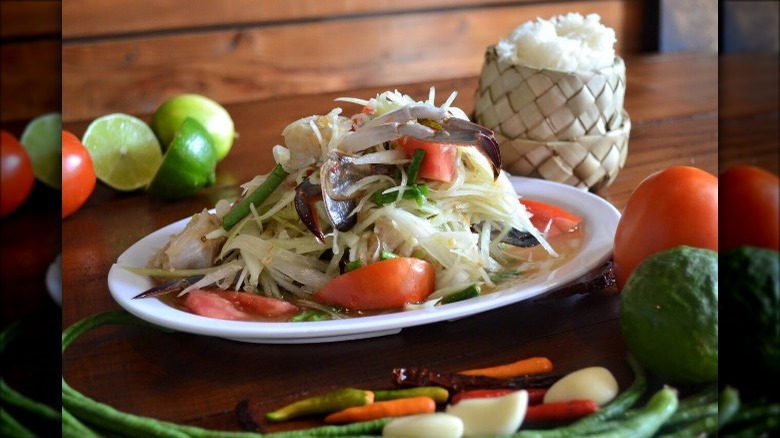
<point x="750" y="215"/>
<point x="549" y="218"/>
<point x="78" y="174"/>
<point x="440" y="158"/>
<point x="672" y="207"/>
<point x="388" y="284"/>
<point x="17" y="174"/>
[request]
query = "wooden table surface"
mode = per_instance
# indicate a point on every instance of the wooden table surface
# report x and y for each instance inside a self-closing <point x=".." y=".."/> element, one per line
<point x="673" y="103"/>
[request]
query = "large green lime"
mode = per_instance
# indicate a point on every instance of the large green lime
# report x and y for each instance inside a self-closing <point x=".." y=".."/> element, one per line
<point x="751" y="324"/>
<point x="124" y="151"/>
<point x="167" y="119"/>
<point x="42" y="138"/>
<point x="669" y="314"/>
<point x="188" y="165"/>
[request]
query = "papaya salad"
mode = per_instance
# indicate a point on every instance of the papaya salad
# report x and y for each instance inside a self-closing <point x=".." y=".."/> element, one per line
<point x="400" y="206"/>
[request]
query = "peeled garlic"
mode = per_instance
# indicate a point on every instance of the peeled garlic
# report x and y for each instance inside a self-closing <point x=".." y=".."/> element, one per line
<point x="593" y="383"/>
<point x="491" y="416"/>
<point x="436" y="425"/>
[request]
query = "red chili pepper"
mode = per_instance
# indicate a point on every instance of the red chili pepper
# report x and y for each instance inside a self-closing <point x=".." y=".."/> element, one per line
<point x="560" y="411"/>
<point x="479" y="393"/>
<point x="536" y="395"/>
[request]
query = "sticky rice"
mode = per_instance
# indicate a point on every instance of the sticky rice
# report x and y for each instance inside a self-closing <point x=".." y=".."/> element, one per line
<point x="568" y="42"/>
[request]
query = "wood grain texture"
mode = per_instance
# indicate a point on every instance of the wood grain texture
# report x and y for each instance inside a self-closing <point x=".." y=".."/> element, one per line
<point x="96" y="18"/>
<point x="30" y="18"/>
<point x="30" y="79"/>
<point x="135" y="75"/>
<point x="30" y="59"/>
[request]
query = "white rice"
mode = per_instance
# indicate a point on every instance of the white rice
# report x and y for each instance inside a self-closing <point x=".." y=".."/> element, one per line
<point x="568" y="42"/>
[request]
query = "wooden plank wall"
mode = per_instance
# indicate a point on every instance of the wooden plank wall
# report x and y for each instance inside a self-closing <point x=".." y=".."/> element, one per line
<point x="129" y="56"/>
<point x="30" y="59"/>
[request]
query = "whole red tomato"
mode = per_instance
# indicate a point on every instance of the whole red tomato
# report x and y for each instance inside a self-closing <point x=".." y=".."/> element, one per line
<point x="672" y="207"/>
<point x="17" y="174"/>
<point x="750" y="208"/>
<point x="78" y="174"/>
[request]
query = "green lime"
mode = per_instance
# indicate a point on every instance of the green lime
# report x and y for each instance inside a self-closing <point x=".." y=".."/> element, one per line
<point x="213" y="116"/>
<point x="751" y="327"/>
<point x="188" y="165"/>
<point x="124" y="151"/>
<point x="669" y="314"/>
<point x="42" y="138"/>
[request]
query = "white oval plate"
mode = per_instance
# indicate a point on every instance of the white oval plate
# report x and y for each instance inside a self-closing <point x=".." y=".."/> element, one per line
<point x="600" y="218"/>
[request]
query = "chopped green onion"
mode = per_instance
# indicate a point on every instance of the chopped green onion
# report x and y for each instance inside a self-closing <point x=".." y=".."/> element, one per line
<point x="418" y="192"/>
<point x="470" y="292"/>
<point x="256" y="198"/>
<point x="414" y="166"/>
<point x="351" y="266"/>
<point x="387" y="255"/>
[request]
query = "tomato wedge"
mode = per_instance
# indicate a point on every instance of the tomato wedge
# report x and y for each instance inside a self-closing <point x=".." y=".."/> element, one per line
<point x="439" y="161"/>
<point x="388" y="284"/>
<point x="547" y="217"/>
<point x="241" y="306"/>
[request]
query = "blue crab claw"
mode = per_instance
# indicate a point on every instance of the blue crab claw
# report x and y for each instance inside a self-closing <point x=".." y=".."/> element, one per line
<point x="306" y="196"/>
<point x="519" y="238"/>
<point x="177" y="285"/>
<point x="337" y="175"/>
<point x="459" y="131"/>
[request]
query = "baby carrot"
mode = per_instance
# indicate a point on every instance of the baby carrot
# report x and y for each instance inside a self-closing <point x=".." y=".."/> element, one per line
<point x="390" y="408"/>
<point x="560" y="411"/>
<point x="531" y="365"/>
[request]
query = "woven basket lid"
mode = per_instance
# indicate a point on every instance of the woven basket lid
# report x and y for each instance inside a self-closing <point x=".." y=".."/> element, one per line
<point x="517" y="101"/>
<point x="590" y="162"/>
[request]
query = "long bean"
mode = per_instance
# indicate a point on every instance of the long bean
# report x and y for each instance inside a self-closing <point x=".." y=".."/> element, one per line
<point x="593" y="422"/>
<point x="256" y="198"/>
<point x="728" y="405"/>
<point x="10" y="397"/>
<point x="648" y="420"/>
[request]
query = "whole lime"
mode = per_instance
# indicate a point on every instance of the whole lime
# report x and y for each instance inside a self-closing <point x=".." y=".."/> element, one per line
<point x="167" y="120"/>
<point x="751" y="293"/>
<point x="669" y="314"/>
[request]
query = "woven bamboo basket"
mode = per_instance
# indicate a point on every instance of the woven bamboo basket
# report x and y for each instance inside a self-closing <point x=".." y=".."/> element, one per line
<point x="568" y="127"/>
<point x="590" y="162"/>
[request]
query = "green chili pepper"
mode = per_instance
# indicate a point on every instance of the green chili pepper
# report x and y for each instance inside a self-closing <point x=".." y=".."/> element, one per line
<point x="321" y="404"/>
<point x="728" y="405"/>
<point x="437" y="393"/>
<point x="256" y="198"/>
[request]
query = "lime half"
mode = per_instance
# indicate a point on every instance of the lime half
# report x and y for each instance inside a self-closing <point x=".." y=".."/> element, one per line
<point x="124" y="151"/>
<point x="42" y="138"/>
<point x="188" y="165"/>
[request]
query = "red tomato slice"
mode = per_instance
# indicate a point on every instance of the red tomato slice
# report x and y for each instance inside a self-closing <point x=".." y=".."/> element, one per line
<point x="439" y="161"/>
<point x="547" y="217"/>
<point x="387" y="284"/>
<point x="234" y="305"/>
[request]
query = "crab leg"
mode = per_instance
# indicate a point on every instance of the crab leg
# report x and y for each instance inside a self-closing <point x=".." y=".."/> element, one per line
<point x="306" y="196"/>
<point x="177" y="285"/>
